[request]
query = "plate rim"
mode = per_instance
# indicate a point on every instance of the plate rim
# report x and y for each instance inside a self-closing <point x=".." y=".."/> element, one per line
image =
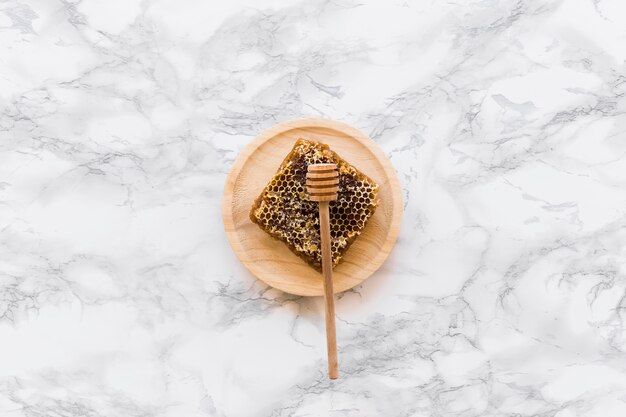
<point x="274" y="130"/>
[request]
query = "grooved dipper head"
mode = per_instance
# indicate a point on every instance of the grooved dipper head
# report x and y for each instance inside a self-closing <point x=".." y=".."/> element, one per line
<point x="322" y="182"/>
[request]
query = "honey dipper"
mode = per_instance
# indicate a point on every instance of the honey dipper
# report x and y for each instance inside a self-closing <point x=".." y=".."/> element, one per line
<point x="322" y="182"/>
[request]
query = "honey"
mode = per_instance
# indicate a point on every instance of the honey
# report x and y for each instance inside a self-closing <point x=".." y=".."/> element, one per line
<point x="284" y="211"/>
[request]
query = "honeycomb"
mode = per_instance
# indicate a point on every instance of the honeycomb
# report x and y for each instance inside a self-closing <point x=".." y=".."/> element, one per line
<point x="284" y="211"/>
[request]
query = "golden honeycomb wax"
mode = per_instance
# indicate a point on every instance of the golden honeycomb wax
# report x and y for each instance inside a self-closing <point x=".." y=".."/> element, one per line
<point x="284" y="211"/>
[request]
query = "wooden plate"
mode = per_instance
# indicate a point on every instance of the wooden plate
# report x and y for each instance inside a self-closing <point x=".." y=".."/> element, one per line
<point x="270" y="260"/>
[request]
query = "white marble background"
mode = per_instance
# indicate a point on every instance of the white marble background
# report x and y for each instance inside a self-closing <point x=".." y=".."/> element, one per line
<point x="506" y="292"/>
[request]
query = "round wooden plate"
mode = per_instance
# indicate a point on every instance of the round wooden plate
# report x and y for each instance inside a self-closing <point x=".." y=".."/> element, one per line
<point x="270" y="260"/>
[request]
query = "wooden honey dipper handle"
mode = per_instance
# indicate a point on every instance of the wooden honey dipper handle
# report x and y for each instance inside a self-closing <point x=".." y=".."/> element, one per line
<point x="322" y="186"/>
<point x="327" y="269"/>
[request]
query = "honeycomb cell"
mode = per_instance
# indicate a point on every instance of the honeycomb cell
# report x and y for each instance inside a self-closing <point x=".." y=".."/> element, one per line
<point x="283" y="209"/>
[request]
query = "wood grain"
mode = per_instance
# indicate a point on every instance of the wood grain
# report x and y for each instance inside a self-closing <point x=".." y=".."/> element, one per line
<point x="270" y="260"/>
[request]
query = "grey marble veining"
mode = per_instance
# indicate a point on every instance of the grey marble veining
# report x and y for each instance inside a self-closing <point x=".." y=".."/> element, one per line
<point x="506" y="292"/>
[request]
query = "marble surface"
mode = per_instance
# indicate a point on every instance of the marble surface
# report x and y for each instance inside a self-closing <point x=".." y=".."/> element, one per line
<point x="506" y="292"/>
